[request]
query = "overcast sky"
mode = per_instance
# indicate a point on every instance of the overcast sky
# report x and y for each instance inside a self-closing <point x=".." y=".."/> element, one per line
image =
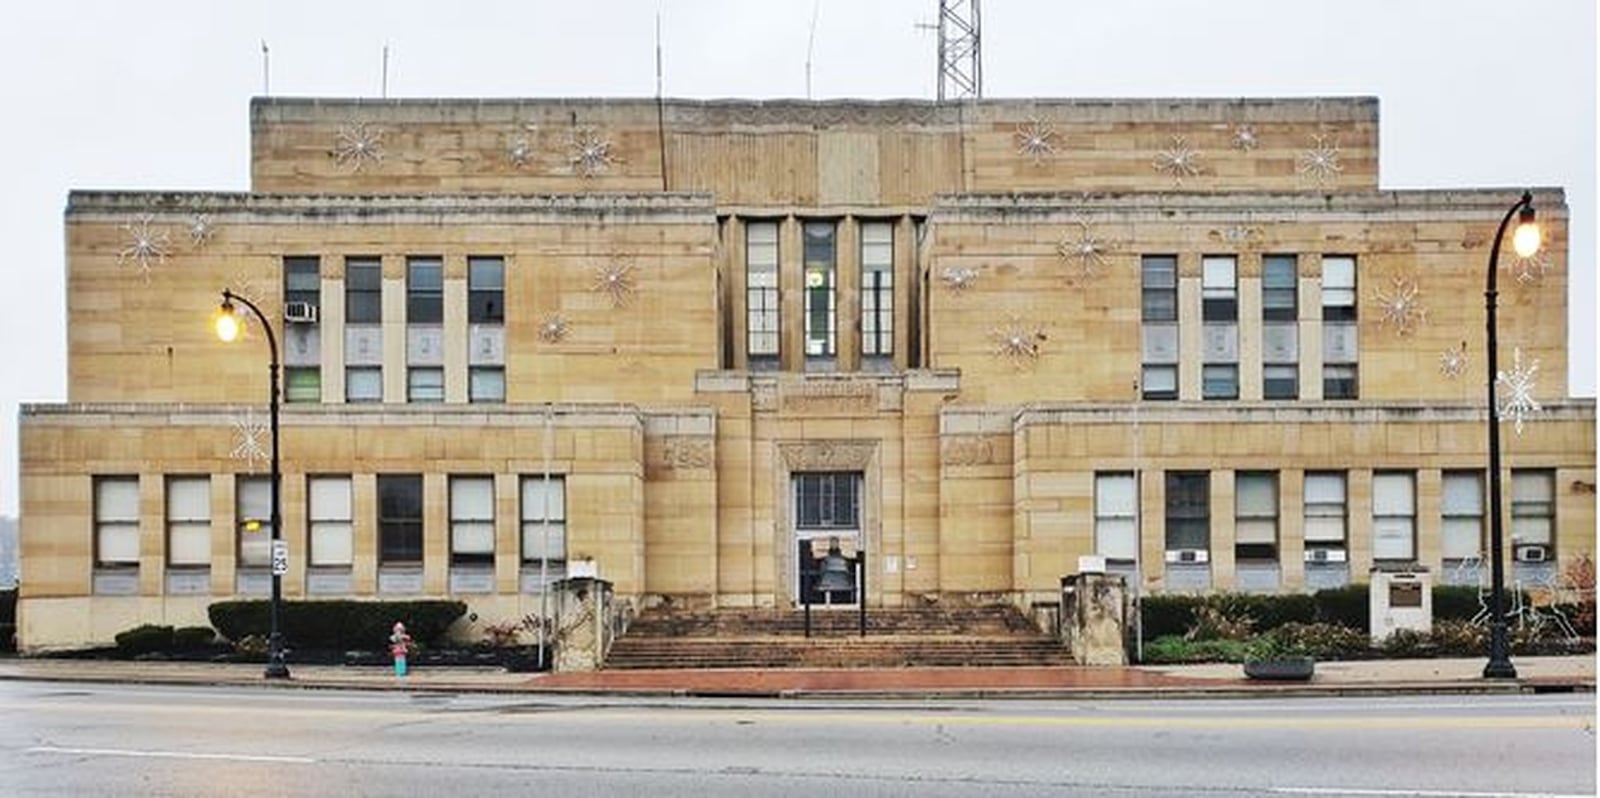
<point x="155" y="95"/>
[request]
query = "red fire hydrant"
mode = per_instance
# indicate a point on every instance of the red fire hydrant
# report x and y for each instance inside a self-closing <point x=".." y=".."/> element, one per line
<point x="399" y="647"/>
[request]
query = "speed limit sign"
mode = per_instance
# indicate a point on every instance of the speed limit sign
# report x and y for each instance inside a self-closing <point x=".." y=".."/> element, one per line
<point x="280" y="557"/>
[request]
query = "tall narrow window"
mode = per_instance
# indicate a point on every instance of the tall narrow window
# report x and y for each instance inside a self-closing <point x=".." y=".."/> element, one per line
<point x="1159" y="303"/>
<point x="302" y="348"/>
<point x="1394" y="516"/>
<point x="252" y="516"/>
<point x="424" y="291"/>
<point x="821" y="299"/>
<point x="1340" y="343"/>
<point x="471" y="520"/>
<point x="1325" y="516"/>
<point x="1462" y="509"/>
<point x="1116" y="516"/>
<point x="486" y="289"/>
<point x="399" y="519"/>
<point x="332" y="522"/>
<point x="1219" y="314"/>
<point x="189" y="522"/>
<point x="1533" y="514"/>
<point x="761" y="294"/>
<point x="544" y="527"/>
<point x="425" y="333"/>
<point x="363" y="349"/>
<point x="1255" y="504"/>
<point x="1280" y="327"/>
<point x="877" y="291"/>
<point x="1188" y="516"/>
<point x="116" y="521"/>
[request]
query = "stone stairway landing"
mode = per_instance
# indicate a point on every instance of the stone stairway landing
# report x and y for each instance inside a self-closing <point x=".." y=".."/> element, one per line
<point x="900" y="637"/>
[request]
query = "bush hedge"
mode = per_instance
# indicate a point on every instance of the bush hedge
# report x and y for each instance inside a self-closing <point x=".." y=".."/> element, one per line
<point x="337" y="625"/>
<point x="144" y="639"/>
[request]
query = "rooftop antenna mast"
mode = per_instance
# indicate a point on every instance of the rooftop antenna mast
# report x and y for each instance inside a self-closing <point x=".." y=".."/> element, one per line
<point x="266" y="70"/>
<point x="811" y="43"/>
<point x="960" y="50"/>
<point x="385" y="88"/>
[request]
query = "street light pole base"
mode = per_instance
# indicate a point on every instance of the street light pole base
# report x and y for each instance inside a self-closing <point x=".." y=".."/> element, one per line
<point x="276" y="670"/>
<point x="1499" y="669"/>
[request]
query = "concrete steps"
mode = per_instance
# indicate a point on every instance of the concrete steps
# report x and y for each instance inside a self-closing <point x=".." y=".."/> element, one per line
<point x="921" y="637"/>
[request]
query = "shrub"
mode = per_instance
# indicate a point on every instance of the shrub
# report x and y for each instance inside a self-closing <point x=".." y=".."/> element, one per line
<point x="1211" y="623"/>
<point x="193" y="638"/>
<point x="1164" y="615"/>
<point x="1167" y="615"/>
<point x="1457" y="638"/>
<point x="1319" y="640"/>
<point x="1346" y="606"/>
<point x="1455" y="603"/>
<point x="1173" y="649"/>
<point x="338" y="625"/>
<point x="1407" y="643"/>
<point x="144" y="639"/>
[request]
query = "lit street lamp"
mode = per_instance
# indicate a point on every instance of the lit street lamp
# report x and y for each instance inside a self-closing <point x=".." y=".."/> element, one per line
<point x="228" y="328"/>
<point x="1526" y="241"/>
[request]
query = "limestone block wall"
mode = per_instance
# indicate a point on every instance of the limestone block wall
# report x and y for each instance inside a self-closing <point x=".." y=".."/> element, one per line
<point x="1018" y="305"/>
<point x="138" y="328"/>
<point x="789" y="152"/>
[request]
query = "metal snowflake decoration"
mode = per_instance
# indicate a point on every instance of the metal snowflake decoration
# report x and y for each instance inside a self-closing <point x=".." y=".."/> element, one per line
<point x="1516" y="401"/>
<point x="958" y="278"/>
<point x="145" y="244"/>
<point x="1319" y="164"/>
<point x="1244" y="138"/>
<point x="520" y="150"/>
<point x="357" y="145"/>
<point x="1401" y="306"/>
<point x="1034" y="140"/>
<point x="1178" y="161"/>
<point x="249" y="439"/>
<point x="201" y="229"/>
<point x="615" y="279"/>
<point x="553" y="328"/>
<point x="1453" y="362"/>
<point x="1239" y="235"/>
<point x="1017" y="342"/>
<point x="1532" y="268"/>
<point x="589" y="153"/>
<point x="1088" y="250"/>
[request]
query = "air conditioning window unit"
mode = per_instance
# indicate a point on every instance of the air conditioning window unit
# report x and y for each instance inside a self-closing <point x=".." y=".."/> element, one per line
<point x="1186" y="556"/>
<point x="1325" y="555"/>
<point x="300" y="313"/>
<point x="1532" y="553"/>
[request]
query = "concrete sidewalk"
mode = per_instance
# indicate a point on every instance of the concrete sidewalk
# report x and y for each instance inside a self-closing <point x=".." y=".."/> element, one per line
<point x="1535" y="674"/>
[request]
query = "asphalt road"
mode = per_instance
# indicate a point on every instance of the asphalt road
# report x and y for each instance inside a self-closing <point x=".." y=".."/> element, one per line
<point x="77" y="739"/>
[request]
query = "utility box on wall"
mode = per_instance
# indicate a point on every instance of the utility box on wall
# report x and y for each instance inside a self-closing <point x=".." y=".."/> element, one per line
<point x="1400" y="599"/>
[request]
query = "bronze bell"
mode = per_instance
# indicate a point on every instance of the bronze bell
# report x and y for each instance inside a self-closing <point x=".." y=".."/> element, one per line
<point x="836" y="571"/>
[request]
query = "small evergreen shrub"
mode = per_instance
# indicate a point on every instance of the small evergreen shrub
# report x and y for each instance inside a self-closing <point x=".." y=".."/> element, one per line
<point x="144" y="639"/>
<point x="193" y="638"/>
<point x="1174" y="649"/>
<point x="1318" y="640"/>
<point x="1346" y="606"/>
<point x="338" y="625"/>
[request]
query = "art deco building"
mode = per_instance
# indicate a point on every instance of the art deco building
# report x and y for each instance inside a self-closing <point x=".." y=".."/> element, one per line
<point x="695" y="343"/>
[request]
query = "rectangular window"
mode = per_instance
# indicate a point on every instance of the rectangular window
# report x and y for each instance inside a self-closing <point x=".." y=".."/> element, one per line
<point x="302" y="280"/>
<point x="1188" y="511"/>
<point x="399" y="519"/>
<point x="302" y="384"/>
<point x="544" y="524"/>
<point x="877" y="289"/>
<point x="472" y="520"/>
<point x="116" y="521"/>
<point x="1394" y="516"/>
<point x="486" y="290"/>
<point x="1325" y="510"/>
<point x="1340" y="341"/>
<point x="761" y="292"/>
<point x="1462" y="509"/>
<point x="331" y="521"/>
<point x="252" y="516"/>
<point x="425" y="384"/>
<point x="821" y="300"/>
<point x="1219" y="289"/>
<point x="1280" y="381"/>
<point x="1219" y="381"/>
<point x="189" y="522"/>
<point x="1280" y="293"/>
<point x="1255" y="508"/>
<point x="1159" y="313"/>
<point x="1219" y="314"/>
<point x="363" y="291"/>
<point x="1116" y="516"/>
<point x="424" y="290"/>
<point x="1533" y="514"/>
<point x="363" y="384"/>
<point x="828" y="500"/>
<point x="486" y="384"/>
<point x="1280" y="328"/>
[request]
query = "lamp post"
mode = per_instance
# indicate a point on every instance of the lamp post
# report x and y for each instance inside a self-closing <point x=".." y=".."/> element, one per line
<point x="1526" y="241"/>
<point x="228" y="327"/>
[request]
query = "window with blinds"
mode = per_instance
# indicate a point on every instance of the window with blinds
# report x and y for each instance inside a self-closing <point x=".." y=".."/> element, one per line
<point x="189" y="522"/>
<point x="472" y="520"/>
<point x="1339" y="332"/>
<point x="1461" y="505"/>
<point x="1325" y="511"/>
<point x="331" y="521"/>
<point x="1394" y="516"/>
<point x="1255" y="500"/>
<point x="544" y="524"/>
<point x="1116" y="516"/>
<point x="761" y="294"/>
<point x="1158" y="276"/>
<point x="1280" y="328"/>
<point x="252" y="515"/>
<point x="1533" y="514"/>
<point x="1188" y="511"/>
<point x="877" y="289"/>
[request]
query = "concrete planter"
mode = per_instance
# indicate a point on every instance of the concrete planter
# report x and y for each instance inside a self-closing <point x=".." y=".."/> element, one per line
<point x="1281" y="669"/>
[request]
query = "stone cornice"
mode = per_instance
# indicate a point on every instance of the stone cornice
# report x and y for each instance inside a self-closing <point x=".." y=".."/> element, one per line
<point x="1394" y="412"/>
<point x="115" y="206"/>
<point x="1258" y="207"/>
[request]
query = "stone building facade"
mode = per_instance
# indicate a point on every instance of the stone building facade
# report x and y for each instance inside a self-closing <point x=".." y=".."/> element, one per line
<point x="693" y="344"/>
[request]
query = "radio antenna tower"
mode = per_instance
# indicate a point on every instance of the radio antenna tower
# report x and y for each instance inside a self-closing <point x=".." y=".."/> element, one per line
<point x="960" y="50"/>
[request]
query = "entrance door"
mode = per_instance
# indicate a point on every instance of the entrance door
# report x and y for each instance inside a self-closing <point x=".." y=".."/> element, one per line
<point x="826" y="510"/>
